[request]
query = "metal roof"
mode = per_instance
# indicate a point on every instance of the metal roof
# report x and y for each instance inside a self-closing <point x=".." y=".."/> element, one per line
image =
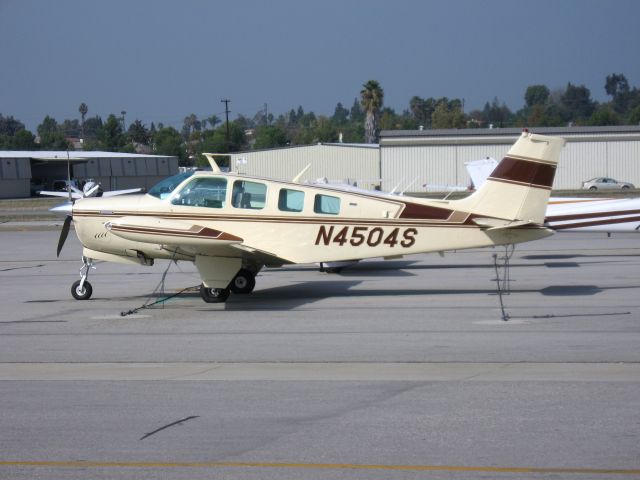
<point x="481" y="132"/>
<point x="73" y="155"/>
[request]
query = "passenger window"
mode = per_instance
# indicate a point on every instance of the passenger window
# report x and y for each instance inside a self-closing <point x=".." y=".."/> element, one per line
<point x="290" y="200"/>
<point x="248" y="195"/>
<point x="203" y="192"/>
<point x="326" y="204"/>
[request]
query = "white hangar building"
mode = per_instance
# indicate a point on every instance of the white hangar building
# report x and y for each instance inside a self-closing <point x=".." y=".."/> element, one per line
<point x="337" y="162"/>
<point x="22" y="172"/>
<point x="408" y="159"/>
<point x="438" y="156"/>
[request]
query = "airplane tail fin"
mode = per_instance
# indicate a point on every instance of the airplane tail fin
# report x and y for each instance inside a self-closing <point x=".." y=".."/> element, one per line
<point x="518" y="189"/>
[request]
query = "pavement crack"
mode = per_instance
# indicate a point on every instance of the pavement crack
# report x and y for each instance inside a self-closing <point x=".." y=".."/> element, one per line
<point x="177" y="422"/>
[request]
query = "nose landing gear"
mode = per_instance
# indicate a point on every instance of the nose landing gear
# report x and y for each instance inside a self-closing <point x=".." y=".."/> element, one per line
<point x="82" y="289"/>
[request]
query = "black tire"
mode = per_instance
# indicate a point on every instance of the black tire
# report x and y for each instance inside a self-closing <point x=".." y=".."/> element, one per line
<point x="84" y="294"/>
<point x="243" y="282"/>
<point x="625" y="187"/>
<point x="593" y="189"/>
<point x="214" y="295"/>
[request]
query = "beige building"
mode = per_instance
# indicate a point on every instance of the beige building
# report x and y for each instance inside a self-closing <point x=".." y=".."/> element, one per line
<point x="438" y="156"/>
<point x="337" y="162"/>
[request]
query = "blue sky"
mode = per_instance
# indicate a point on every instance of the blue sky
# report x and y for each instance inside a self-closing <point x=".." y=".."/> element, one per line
<point x="161" y="60"/>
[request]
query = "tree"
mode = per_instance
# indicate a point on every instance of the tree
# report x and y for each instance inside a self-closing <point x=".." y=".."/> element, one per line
<point x="340" y="115"/>
<point x="10" y="126"/>
<point x="24" y="140"/>
<point x="448" y="115"/>
<point x="371" y="99"/>
<point x="92" y="127"/>
<point x="270" y="136"/>
<point x="138" y="133"/>
<point x="356" y="114"/>
<point x="190" y="125"/>
<point x="325" y="131"/>
<point x="167" y="141"/>
<point x="536" y="95"/>
<point x="213" y="120"/>
<point x="623" y="97"/>
<point x="69" y="128"/>
<point x="422" y="109"/>
<point x="50" y="136"/>
<point x="496" y="113"/>
<point x="604" y="115"/>
<point x="216" y="141"/>
<point x="577" y="101"/>
<point x="111" y="135"/>
<point x="83" y="109"/>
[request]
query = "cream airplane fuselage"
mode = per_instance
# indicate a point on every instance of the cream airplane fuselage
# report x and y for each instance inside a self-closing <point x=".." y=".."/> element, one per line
<point x="228" y="223"/>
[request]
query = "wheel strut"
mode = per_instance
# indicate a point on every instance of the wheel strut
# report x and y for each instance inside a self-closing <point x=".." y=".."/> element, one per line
<point x="82" y="289"/>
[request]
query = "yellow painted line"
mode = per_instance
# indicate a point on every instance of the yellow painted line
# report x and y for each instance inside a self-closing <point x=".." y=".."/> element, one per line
<point x="316" y="466"/>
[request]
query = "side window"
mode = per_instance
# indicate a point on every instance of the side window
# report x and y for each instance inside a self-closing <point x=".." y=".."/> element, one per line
<point x="290" y="200"/>
<point x="248" y="194"/>
<point x="203" y="192"/>
<point x="326" y="204"/>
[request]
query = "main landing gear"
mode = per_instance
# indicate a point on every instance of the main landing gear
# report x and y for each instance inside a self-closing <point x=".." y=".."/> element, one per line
<point x="82" y="289"/>
<point x="244" y="282"/>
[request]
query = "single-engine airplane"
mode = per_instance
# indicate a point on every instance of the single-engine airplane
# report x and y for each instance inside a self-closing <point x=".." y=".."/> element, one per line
<point x="232" y="225"/>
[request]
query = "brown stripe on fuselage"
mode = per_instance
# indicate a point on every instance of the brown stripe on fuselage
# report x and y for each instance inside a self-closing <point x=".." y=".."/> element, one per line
<point x="426" y="212"/>
<point x="523" y="171"/>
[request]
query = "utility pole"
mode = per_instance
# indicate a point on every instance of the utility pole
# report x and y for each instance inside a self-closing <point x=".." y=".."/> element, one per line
<point x="226" y="112"/>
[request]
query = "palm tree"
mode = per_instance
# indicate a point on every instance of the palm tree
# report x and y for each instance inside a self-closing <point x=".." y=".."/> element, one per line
<point x="83" y="109"/>
<point x="371" y="99"/>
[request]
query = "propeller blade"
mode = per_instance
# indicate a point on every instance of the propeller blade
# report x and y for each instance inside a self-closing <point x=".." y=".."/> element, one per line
<point x="63" y="234"/>
<point x="92" y="190"/>
<point x="68" y="180"/>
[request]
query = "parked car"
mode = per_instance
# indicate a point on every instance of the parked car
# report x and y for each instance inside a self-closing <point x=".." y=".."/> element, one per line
<point x="604" y="183"/>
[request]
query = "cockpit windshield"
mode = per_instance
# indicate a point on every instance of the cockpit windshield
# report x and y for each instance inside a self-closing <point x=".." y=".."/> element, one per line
<point x="164" y="188"/>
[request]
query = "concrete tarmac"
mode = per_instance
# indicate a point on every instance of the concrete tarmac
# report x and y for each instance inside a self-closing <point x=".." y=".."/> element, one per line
<point x="392" y="369"/>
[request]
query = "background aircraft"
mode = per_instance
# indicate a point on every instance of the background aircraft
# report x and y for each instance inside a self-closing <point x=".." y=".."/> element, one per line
<point x="575" y="214"/>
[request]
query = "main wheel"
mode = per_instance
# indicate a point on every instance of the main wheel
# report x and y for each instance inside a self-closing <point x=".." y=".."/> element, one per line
<point x="243" y="282"/>
<point x="214" y="295"/>
<point x="83" y="293"/>
<point x="593" y="189"/>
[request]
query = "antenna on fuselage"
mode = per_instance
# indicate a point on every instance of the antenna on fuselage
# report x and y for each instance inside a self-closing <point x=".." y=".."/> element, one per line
<point x="297" y="178"/>
<point x="212" y="161"/>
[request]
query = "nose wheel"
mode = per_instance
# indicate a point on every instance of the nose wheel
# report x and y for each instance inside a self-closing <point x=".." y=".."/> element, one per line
<point x="82" y="289"/>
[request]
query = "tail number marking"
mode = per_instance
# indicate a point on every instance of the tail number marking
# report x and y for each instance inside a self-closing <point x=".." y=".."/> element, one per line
<point x="372" y="237"/>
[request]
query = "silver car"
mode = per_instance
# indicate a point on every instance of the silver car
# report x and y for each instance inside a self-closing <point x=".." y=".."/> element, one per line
<point x="604" y="183"/>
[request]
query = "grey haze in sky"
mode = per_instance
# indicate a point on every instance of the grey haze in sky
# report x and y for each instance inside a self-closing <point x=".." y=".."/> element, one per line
<point x="161" y="60"/>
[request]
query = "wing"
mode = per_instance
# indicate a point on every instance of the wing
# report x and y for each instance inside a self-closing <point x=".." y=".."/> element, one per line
<point x="189" y="238"/>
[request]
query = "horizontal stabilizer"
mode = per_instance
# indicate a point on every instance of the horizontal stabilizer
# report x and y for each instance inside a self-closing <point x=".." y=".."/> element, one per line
<point x="499" y="224"/>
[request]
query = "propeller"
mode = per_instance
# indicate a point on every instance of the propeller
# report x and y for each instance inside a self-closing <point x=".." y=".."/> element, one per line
<point x="64" y="233"/>
<point x="67" y="209"/>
